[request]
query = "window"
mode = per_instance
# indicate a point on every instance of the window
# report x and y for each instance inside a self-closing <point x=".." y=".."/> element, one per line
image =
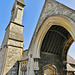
<point x="23" y="69"/>
<point x="24" y="72"/>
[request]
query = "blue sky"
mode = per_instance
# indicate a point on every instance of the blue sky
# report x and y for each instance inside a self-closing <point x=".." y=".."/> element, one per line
<point x="30" y="18"/>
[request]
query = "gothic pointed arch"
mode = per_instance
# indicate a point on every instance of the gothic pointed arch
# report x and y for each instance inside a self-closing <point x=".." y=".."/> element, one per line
<point x="48" y="22"/>
<point x="54" y="33"/>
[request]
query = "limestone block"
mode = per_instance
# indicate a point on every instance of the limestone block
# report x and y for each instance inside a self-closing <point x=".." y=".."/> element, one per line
<point x="13" y="54"/>
<point x="12" y="45"/>
<point x="15" y="43"/>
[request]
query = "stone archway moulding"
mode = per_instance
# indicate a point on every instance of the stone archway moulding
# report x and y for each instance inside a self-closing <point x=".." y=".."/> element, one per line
<point x="65" y="22"/>
<point x="52" y="69"/>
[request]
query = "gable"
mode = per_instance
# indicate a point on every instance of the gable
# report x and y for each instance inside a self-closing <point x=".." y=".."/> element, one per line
<point x="52" y="7"/>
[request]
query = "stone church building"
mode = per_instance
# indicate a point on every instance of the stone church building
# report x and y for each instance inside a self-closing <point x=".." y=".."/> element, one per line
<point x="47" y="52"/>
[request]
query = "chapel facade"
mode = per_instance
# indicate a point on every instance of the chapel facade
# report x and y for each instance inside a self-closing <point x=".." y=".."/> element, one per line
<point x="47" y="52"/>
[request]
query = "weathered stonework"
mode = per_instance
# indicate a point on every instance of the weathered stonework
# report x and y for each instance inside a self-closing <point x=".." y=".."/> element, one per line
<point x="47" y="58"/>
<point x="12" y="46"/>
<point x="52" y="7"/>
<point x="14" y="70"/>
<point x="53" y="13"/>
<point x="55" y="8"/>
<point x="33" y="61"/>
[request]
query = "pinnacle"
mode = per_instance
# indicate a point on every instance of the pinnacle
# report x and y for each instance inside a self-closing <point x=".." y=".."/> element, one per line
<point x="21" y="1"/>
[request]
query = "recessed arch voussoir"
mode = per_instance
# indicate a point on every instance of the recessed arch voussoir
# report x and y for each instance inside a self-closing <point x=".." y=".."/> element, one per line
<point x="68" y="24"/>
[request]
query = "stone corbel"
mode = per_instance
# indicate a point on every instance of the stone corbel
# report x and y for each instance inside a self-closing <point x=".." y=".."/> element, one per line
<point x="65" y="62"/>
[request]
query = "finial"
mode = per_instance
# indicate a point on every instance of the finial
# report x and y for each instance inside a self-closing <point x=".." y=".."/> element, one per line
<point x="21" y="1"/>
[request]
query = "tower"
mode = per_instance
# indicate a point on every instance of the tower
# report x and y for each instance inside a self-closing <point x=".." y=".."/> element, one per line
<point x="12" y="46"/>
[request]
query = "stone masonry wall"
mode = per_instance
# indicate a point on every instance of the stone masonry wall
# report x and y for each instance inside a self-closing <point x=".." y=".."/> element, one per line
<point x="46" y="59"/>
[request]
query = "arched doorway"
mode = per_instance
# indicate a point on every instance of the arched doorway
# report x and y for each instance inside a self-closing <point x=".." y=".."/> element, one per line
<point x="46" y="25"/>
<point x="51" y="42"/>
<point x="54" y="48"/>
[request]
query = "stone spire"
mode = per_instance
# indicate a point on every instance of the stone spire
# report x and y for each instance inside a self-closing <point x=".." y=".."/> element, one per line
<point x="17" y="11"/>
<point x="12" y="46"/>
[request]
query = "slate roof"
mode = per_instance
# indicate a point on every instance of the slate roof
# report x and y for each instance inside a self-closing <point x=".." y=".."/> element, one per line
<point x="70" y="64"/>
<point x="24" y="56"/>
<point x="70" y="68"/>
<point x="70" y="60"/>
